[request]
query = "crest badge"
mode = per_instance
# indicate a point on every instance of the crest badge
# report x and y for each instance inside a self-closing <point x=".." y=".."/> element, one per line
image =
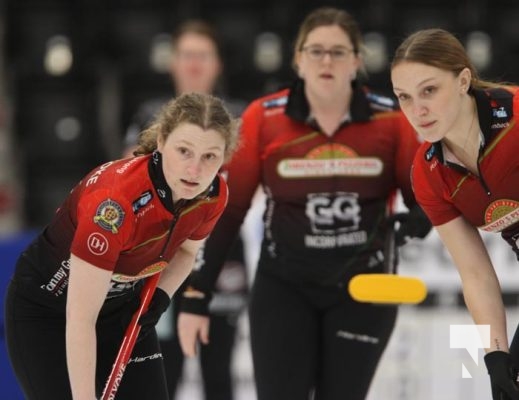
<point x="109" y="215"/>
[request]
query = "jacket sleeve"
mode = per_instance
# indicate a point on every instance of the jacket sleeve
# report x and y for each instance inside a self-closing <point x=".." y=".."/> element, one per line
<point x="104" y="225"/>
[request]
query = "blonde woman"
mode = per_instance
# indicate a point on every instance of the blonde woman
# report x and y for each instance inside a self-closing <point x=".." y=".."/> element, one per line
<point x="76" y="284"/>
<point x="465" y="174"/>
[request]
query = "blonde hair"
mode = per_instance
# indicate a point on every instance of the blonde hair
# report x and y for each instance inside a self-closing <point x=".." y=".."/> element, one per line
<point x="203" y="110"/>
<point x="441" y="49"/>
<point x="327" y="16"/>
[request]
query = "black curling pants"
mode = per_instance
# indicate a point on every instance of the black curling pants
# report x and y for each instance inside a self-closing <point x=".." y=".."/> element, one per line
<point x="314" y="339"/>
<point x="35" y="336"/>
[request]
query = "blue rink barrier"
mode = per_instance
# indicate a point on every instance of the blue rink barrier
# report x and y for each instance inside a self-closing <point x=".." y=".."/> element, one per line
<point x="10" y="249"/>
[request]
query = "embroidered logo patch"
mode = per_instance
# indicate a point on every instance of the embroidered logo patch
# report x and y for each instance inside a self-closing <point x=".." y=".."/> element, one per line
<point x="501" y="214"/>
<point x="109" y="215"/>
<point x="144" y="199"/>
<point x="429" y="153"/>
<point x="330" y="160"/>
<point x="148" y="271"/>
<point x="97" y="244"/>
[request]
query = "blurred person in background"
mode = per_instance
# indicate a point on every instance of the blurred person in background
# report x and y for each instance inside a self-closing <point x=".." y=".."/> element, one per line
<point x="330" y="155"/>
<point x="465" y="175"/>
<point x="77" y="285"/>
<point x="196" y="66"/>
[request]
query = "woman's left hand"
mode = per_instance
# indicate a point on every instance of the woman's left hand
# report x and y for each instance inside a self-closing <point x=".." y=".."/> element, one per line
<point x="191" y="328"/>
<point x="158" y="305"/>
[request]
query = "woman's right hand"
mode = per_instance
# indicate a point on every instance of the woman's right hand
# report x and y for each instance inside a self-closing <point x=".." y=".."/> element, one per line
<point x="191" y="328"/>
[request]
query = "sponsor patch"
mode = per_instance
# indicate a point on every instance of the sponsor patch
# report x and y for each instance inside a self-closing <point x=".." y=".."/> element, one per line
<point x="59" y="280"/>
<point x="144" y="199"/>
<point x="429" y="154"/>
<point x="277" y="102"/>
<point x="499" y="112"/>
<point x="126" y="165"/>
<point x="341" y="240"/>
<point x="109" y="215"/>
<point x="95" y="176"/>
<point x="330" y="160"/>
<point x="499" y="125"/>
<point x="501" y="214"/>
<point x="331" y="213"/>
<point x="304" y="168"/>
<point x="97" y="243"/>
<point x="148" y="271"/>
<point x="384" y="103"/>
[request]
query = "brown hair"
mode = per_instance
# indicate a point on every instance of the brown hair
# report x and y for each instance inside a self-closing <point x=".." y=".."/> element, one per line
<point x="326" y="16"/>
<point x="203" y="110"/>
<point x="441" y="49"/>
<point x="198" y="27"/>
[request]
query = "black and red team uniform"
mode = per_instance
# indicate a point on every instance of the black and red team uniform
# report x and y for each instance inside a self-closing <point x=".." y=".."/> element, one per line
<point x="121" y="217"/>
<point x="228" y="302"/>
<point x="325" y="221"/>
<point x="446" y="189"/>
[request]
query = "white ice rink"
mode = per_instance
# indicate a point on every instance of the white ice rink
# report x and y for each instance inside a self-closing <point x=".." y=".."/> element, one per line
<point x="418" y="363"/>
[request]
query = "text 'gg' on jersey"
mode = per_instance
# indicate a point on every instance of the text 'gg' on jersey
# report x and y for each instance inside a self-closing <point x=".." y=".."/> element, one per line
<point x="326" y="195"/>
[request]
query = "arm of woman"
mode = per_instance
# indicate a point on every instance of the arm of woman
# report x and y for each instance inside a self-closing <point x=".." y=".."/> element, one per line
<point x="481" y="288"/>
<point x="87" y="290"/>
<point x="172" y="277"/>
<point x="180" y="266"/>
<point x="244" y="176"/>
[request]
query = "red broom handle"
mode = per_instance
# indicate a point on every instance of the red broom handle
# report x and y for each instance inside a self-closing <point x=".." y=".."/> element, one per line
<point x="129" y="339"/>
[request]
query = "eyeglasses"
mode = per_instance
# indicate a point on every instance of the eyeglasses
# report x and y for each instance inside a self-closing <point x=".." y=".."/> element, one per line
<point x="317" y="53"/>
<point x="200" y="56"/>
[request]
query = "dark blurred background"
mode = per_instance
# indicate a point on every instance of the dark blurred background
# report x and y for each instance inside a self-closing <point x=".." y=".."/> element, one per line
<point x="74" y="71"/>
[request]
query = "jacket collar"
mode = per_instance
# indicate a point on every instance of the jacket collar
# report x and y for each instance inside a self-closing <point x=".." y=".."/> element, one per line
<point x="495" y="110"/>
<point x="164" y="192"/>
<point x="159" y="181"/>
<point x="298" y="108"/>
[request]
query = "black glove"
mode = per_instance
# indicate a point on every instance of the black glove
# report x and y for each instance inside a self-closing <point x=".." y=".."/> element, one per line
<point x="412" y="224"/>
<point x="503" y="376"/>
<point x="195" y="301"/>
<point x="158" y="305"/>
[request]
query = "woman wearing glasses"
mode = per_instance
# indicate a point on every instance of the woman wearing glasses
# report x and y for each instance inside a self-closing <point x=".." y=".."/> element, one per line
<point x="329" y="154"/>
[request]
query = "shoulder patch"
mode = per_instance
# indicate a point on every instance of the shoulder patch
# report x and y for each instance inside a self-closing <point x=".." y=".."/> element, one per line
<point x="109" y="215"/>
<point x="381" y="103"/>
<point x="501" y="102"/>
<point x="143" y="199"/>
<point x="429" y="153"/>
<point x="276" y="102"/>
